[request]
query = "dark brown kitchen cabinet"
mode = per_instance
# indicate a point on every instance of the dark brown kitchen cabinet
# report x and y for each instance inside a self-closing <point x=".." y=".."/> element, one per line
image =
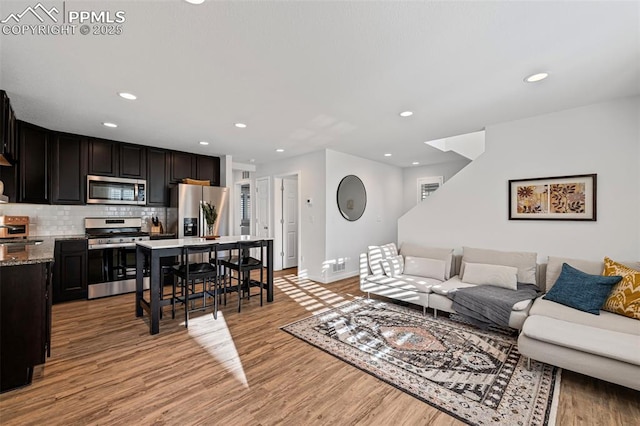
<point x="103" y="157"/>
<point x="33" y="169"/>
<point x="133" y="161"/>
<point x="158" y="177"/>
<point x="208" y="168"/>
<point x="8" y="140"/>
<point x="25" y="322"/>
<point x="68" y="169"/>
<point x="70" y="270"/>
<point x="181" y="165"/>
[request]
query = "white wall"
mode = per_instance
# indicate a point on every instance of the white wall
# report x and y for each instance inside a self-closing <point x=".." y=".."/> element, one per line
<point x="311" y="182"/>
<point x="325" y="236"/>
<point x="378" y="225"/>
<point x="471" y="209"/>
<point x="410" y="176"/>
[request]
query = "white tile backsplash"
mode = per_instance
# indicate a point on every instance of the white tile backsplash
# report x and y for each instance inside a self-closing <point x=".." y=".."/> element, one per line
<point x="69" y="220"/>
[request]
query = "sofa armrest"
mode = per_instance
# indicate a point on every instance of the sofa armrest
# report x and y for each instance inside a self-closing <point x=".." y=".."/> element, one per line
<point x="364" y="267"/>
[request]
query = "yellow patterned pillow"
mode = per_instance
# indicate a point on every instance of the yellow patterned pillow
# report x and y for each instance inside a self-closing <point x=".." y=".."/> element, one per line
<point x="625" y="296"/>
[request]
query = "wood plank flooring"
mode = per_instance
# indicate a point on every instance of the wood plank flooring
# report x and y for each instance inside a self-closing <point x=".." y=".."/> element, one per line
<point x="240" y="369"/>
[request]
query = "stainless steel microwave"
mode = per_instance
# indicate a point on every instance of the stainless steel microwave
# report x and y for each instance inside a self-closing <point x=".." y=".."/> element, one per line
<point x="110" y="190"/>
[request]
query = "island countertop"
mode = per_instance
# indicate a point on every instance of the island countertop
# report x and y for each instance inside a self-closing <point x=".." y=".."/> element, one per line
<point x="193" y="241"/>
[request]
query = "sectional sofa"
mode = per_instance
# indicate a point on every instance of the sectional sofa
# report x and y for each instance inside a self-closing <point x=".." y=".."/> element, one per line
<point x="429" y="287"/>
<point x="606" y="346"/>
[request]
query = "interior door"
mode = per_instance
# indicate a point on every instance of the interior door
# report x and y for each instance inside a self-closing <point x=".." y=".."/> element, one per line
<point x="289" y="222"/>
<point x="262" y="207"/>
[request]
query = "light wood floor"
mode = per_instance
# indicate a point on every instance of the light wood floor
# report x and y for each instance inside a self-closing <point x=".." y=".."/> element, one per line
<point x="242" y="369"/>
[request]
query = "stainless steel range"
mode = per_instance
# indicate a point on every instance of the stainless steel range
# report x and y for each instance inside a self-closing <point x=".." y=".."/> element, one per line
<point x="112" y="254"/>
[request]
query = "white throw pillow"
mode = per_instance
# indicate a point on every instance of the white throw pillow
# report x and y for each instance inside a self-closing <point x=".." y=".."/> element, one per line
<point x="379" y="253"/>
<point x="410" y="249"/>
<point x="393" y="266"/>
<point x="497" y="275"/>
<point x="524" y="261"/>
<point x="423" y="267"/>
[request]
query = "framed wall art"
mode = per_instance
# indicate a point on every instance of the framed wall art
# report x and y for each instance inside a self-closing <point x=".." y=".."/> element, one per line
<point x="553" y="198"/>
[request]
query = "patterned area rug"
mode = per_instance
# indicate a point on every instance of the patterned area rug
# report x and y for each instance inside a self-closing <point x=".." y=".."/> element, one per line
<point x="476" y="376"/>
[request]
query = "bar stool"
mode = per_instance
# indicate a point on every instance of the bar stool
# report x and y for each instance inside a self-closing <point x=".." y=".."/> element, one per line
<point x="242" y="263"/>
<point x="189" y="273"/>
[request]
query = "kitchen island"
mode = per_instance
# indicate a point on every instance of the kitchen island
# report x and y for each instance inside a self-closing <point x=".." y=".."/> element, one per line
<point x="157" y="249"/>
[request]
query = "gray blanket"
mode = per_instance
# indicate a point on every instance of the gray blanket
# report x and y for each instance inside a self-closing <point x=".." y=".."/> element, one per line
<point x="486" y="305"/>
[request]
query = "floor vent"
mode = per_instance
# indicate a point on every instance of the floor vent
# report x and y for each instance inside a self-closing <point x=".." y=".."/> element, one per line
<point x="339" y="267"/>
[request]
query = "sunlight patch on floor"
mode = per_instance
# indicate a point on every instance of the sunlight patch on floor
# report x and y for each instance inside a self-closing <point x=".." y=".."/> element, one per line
<point x="213" y="336"/>
<point x="308" y="294"/>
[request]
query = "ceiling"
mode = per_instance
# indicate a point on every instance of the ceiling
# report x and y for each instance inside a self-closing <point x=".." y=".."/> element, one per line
<point x="309" y="75"/>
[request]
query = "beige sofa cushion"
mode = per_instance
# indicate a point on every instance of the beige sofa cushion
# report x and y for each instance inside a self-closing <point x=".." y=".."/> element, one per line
<point x="554" y="267"/>
<point x="450" y="285"/>
<point x="410" y="249"/>
<point x="611" y="344"/>
<point x="376" y="254"/>
<point x="524" y="261"/>
<point x="606" y="320"/>
<point x="405" y="282"/>
<point x="393" y="266"/>
<point x="425" y="267"/>
<point x="496" y="275"/>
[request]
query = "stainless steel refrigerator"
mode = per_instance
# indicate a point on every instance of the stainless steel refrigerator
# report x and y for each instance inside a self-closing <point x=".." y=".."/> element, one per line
<point x="185" y="217"/>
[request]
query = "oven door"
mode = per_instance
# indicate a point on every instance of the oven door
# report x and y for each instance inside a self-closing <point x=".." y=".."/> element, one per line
<point x="112" y="270"/>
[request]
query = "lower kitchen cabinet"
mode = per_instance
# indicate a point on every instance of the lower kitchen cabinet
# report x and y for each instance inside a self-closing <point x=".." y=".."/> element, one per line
<point x="70" y="270"/>
<point x="25" y="322"/>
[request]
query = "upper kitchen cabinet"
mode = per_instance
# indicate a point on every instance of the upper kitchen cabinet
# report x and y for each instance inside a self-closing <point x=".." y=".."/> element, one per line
<point x="8" y="139"/>
<point x="208" y="168"/>
<point x="157" y="177"/>
<point x="68" y="169"/>
<point x="103" y="157"/>
<point x="133" y="161"/>
<point x="33" y="153"/>
<point x="181" y="165"/>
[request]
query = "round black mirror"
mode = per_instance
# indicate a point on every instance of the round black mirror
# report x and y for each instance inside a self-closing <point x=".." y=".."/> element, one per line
<point x="352" y="198"/>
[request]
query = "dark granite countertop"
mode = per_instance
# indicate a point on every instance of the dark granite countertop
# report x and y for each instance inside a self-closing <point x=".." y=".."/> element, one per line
<point x="13" y="253"/>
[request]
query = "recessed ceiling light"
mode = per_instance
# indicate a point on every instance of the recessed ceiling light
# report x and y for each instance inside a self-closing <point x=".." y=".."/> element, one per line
<point x="415" y="163"/>
<point x="536" y="77"/>
<point x="204" y="143"/>
<point x="253" y="160"/>
<point x="240" y="125"/>
<point x="406" y="113"/>
<point x="128" y="96"/>
<point x="279" y="150"/>
<point x="107" y="124"/>
<point x="387" y="155"/>
<point x="195" y="1"/>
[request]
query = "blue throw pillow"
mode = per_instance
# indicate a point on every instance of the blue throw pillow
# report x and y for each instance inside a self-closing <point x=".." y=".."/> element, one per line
<point x="580" y="290"/>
